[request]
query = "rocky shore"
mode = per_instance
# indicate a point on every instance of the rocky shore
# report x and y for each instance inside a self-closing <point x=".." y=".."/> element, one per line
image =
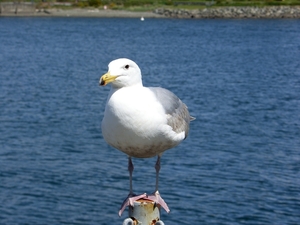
<point x="234" y="12"/>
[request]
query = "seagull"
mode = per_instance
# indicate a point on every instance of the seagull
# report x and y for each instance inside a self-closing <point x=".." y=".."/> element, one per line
<point x="142" y="122"/>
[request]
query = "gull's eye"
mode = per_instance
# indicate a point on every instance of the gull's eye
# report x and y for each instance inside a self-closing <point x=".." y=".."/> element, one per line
<point x="127" y="67"/>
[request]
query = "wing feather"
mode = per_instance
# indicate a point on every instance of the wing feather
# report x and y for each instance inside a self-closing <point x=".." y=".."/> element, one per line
<point x="176" y="111"/>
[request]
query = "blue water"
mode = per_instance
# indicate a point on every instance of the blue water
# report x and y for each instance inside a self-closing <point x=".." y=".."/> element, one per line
<point x="239" y="78"/>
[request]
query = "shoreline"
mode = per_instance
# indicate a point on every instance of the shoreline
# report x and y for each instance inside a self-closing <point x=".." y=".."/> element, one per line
<point x="235" y="12"/>
<point x="271" y="12"/>
<point x="78" y="12"/>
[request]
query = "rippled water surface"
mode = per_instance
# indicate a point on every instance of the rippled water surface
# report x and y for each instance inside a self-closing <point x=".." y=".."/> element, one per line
<point x="239" y="78"/>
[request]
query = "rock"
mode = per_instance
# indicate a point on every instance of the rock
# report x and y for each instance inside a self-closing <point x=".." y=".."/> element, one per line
<point x="234" y="12"/>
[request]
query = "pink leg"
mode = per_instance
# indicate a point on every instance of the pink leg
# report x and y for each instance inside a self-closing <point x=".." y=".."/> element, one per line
<point x="157" y="168"/>
<point x="131" y="196"/>
<point x="155" y="197"/>
<point x="130" y="169"/>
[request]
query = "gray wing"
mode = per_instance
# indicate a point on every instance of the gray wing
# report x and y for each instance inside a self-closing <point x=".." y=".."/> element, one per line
<point x="177" y="112"/>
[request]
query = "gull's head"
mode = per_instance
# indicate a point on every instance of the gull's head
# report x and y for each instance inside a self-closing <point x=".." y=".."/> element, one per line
<point x="122" y="73"/>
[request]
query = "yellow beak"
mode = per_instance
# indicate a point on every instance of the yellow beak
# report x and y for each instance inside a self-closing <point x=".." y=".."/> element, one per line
<point x="107" y="78"/>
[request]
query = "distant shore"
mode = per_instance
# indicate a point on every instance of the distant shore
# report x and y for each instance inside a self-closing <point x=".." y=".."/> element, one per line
<point x="78" y="12"/>
<point x="210" y="12"/>
<point x="97" y="13"/>
<point x="234" y="12"/>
